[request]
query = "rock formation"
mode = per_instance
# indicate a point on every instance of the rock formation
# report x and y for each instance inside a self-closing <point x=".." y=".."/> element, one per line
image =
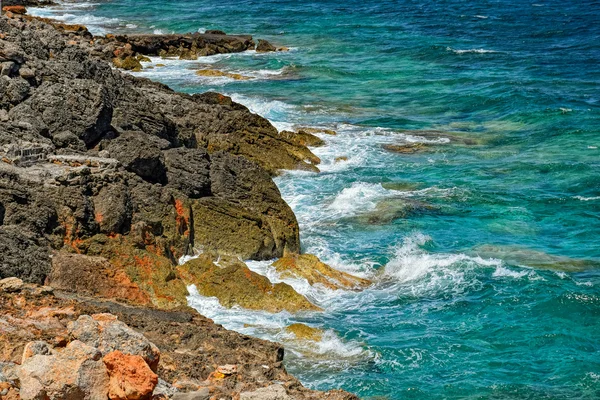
<point x="106" y="181"/>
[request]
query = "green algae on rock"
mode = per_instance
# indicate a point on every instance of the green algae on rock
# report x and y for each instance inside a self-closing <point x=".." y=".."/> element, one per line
<point x="315" y="271"/>
<point x="233" y="283"/>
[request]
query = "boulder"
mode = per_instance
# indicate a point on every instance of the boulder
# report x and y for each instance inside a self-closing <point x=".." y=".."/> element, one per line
<point x="11" y="285"/>
<point x="315" y="271"/>
<point x="21" y="10"/>
<point x="76" y="371"/>
<point x="264" y="46"/>
<point x="128" y="63"/>
<point x="113" y="208"/>
<point x="233" y="283"/>
<point x="203" y="394"/>
<point x="130" y="377"/>
<point x="106" y="333"/>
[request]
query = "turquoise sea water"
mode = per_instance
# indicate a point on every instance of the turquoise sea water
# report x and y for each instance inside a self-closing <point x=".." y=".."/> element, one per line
<point x="485" y="248"/>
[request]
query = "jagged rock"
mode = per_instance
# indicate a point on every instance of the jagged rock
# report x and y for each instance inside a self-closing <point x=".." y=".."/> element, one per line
<point x="82" y="107"/>
<point x="130" y="377"/>
<point x="264" y="46"/>
<point x="233" y="283"/>
<point x="315" y="271"/>
<point x="246" y="215"/>
<point x="106" y="333"/>
<point x="191" y="347"/>
<point x="139" y="155"/>
<point x="22" y="255"/>
<point x="188" y="171"/>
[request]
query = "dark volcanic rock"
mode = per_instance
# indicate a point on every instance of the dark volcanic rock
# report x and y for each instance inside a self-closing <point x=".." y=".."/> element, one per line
<point x="23" y="255"/>
<point x="192" y="171"/>
<point x="139" y="155"/>
<point x="188" y="171"/>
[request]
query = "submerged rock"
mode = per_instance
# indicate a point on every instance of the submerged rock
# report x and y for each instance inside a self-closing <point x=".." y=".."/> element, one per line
<point x="408" y="148"/>
<point x="217" y="73"/>
<point x="305" y="332"/>
<point x="389" y="210"/>
<point x="309" y="267"/>
<point x="522" y="256"/>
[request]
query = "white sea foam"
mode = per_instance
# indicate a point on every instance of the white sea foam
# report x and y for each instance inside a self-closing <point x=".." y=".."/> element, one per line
<point x="582" y="198"/>
<point x="96" y="25"/>
<point x="467" y="51"/>
<point x="330" y="350"/>
<point x="481" y="16"/>
<point x="432" y="271"/>
<point x="505" y="272"/>
<point x="360" y="197"/>
<point x="277" y="112"/>
<point x="158" y="32"/>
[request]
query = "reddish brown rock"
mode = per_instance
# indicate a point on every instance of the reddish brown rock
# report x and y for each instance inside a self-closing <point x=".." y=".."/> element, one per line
<point x="130" y="377"/>
<point x="21" y="10"/>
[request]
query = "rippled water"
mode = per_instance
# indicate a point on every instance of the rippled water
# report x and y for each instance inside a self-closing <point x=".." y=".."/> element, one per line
<point x="484" y="249"/>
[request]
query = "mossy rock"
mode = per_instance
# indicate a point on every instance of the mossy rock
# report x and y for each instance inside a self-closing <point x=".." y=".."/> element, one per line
<point x="143" y="58"/>
<point x="317" y="130"/>
<point x="305" y="332"/>
<point x="303" y="138"/>
<point x="315" y="271"/>
<point x="128" y="63"/>
<point x="149" y="268"/>
<point x="233" y="283"/>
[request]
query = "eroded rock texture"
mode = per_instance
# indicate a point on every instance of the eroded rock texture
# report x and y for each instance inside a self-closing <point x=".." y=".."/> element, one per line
<point x="101" y="164"/>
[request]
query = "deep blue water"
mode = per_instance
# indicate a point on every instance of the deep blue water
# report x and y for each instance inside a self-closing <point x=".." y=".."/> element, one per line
<point x="485" y="250"/>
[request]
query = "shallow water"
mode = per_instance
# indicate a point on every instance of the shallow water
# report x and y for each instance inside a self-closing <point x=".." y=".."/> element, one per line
<point x="486" y="260"/>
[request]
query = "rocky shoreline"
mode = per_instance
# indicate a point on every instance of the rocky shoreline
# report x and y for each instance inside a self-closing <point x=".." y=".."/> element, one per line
<point x="106" y="182"/>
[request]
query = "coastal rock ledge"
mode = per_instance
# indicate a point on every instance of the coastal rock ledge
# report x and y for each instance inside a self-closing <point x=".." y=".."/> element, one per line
<point x="106" y="182"/>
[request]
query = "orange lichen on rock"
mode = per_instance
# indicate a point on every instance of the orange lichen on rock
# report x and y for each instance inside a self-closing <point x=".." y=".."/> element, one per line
<point x="130" y="378"/>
